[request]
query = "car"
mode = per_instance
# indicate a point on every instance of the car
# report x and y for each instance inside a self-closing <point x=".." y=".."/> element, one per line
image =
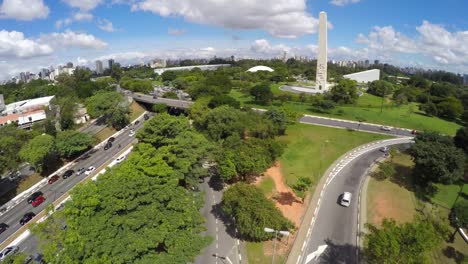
<point x="132" y="133"/>
<point x="33" y="196"/>
<point x="120" y="159"/>
<point x="80" y="171"/>
<point x="35" y="258"/>
<point x="27" y="217"/>
<point x="40" y="199"/>
<point x="68" y="173"/>
<point x="346" y="199"/>
<point x="108" y="145"/>
<point x="136" y="122"/>
<point x="53" y="179"/>
<point x="3" y="227"/>
<point x="414" y="132"/>
<point x="386" y="128"/>
<point x="8" y="251"/>
<point x="111" y="139"/>
<point x="90" y="170"/>
<point x="146" y="116"/>
<point x="384" y="149"/>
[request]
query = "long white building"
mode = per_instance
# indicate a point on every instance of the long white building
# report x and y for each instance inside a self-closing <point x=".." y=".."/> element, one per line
<point x="364" y="76"/>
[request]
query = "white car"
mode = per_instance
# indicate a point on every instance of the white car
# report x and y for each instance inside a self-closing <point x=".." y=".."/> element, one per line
<point x="386" y="128"/>
<point x="346" y="199"/>
<point x="384" y="149"/>
<point x="90" y="170"/>
<point x="120" y="159"/>
<point x="132" y="133"/>
<point x="8" y="251"/>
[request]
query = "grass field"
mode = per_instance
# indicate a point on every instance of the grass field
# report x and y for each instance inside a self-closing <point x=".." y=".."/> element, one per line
<point x="447" y="194"/>
<point x="255" y="254"/>
<point x="135" y="110"/>
<point x="368" y="109"/>
<point x="267" y="185"/>
<point x="401" y="204"/>
<point x="312" y="149"/>
<point x="389" y="199"/>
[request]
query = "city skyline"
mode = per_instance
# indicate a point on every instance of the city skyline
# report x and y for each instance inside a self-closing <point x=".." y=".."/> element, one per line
<point x="36" y="34"/>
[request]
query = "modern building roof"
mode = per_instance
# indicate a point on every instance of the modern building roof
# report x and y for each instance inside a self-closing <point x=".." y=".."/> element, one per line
<point x="260" y="68"/>
<point x="188" y="68"/>
<point x="364" y="76"/>
<point x="27" y="105"/>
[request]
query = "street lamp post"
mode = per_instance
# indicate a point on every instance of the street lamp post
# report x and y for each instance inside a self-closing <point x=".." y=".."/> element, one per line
<point x="270" y="230"/>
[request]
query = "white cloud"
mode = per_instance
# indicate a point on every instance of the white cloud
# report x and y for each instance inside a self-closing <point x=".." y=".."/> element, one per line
<point x="176" y="32"/>
<point x="82" y="16"/>
<point x="14" y="44"/>
<point x="84" y="5"/>
<point x="433" y="41"/>
<point x="106" y="25"/>
<point x="343" y="2"/>
<point x="24" y="9"/>
<point x="263" y="48"/>
<point x="72" y="39"/>
<point x="281" y="18"/>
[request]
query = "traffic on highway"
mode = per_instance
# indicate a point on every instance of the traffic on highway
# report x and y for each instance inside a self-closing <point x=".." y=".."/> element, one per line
<point x="60" y="184"/>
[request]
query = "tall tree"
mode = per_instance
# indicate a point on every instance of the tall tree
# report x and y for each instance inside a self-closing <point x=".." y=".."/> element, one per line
<point x="252" y="212"/>
<point x="407" y="243"/>
<point x="11" y="141"/>
<point x="380" y="88"/>
<point x="39" y="151"/>
<point x="262" y="93"/>
<point x="461" y="139"/>
<point x="103" y="103"/>
<point x="345" y="92"/>
<point x="162" y="130"/>
<point x="70" y="142"/>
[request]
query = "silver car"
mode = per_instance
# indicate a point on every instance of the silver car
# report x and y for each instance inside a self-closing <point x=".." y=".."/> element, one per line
<point x="8" y="251"/>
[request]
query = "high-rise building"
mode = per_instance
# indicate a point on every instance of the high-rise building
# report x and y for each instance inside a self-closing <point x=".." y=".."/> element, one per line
<point x="23" y="77"/>
<point x="99" y="68"/>
<point x="465" y="79"/>
<point x="376" y="62"/>
<point x="70" y="65"/>
<point x="111" y="63"/>
<point x="321" y="78"/>
<point x="366" y="63"/>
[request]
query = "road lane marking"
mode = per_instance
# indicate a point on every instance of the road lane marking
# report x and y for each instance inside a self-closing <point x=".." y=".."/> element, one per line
<point x="316" y="254"/>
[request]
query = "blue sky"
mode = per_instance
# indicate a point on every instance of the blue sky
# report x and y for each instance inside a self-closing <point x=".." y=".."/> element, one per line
<point x="40" y="33"/>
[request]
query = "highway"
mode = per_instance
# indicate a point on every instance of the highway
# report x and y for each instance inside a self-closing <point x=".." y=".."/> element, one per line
<point x="53" y="191"/>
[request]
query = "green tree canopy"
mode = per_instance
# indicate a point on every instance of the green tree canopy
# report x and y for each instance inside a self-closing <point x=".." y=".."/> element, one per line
<point x="39" y="151"/>
<point x="262" y="93"/>
<point x="252" y="212"/>
<point x="162" y="130"/>
<point x="437" y="159"/>
<point x="459" y="214"/>
<point x="408" y="243"/>
<point x="222" y="122"/>
<point x="345" y="92"/>
<point x="71" y="142"/>
<point x="380" y="88"/>
<point x="461" y="139"/>
<point x="11" y="141"/>
<point x="103" y="103"/>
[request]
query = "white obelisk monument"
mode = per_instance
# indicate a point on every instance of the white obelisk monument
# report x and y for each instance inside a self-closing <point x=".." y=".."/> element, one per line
<point x="321" y="79"/>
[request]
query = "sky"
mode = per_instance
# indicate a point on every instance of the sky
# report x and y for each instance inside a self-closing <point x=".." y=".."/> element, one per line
<point x="38" y="34"/>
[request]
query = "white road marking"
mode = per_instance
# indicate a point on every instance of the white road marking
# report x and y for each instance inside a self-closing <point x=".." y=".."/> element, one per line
<point x="227" y="258"/>
<point x="316" y="254"/>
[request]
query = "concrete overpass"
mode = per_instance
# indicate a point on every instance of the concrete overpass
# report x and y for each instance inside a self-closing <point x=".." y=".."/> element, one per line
<point x="148" y="99"/>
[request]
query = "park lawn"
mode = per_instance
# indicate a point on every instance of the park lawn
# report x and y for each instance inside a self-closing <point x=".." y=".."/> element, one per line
<point x="389" y="198"/>
<point x="367" y="109"/>
<point x="135" y="110"/>
<point x="255" y="254"/>
<point x="267" y="185"/>
<point x="447" y="194"/>
<point x="312" y="149"/>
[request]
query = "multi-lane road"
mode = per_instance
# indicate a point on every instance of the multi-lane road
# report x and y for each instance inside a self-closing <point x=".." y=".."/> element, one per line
<point x="96" y="158"/>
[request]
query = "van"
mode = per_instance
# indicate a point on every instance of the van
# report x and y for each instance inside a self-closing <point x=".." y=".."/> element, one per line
<point x="346" y="199"/>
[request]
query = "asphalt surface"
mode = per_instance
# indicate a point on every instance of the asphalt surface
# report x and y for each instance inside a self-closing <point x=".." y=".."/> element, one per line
<point x="355" y="126"/>
<point x="224" y="248"/>
<point x="169" y="102"/>
<point x="335" y="225"/>
<point x="53" y="191"/>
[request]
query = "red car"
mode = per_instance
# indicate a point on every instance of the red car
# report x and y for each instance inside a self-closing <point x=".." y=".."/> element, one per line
<point x="38" y="201"/>
<point x="53" y="179"/>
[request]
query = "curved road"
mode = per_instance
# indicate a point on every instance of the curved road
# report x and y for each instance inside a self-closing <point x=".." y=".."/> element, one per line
<point x="336" y="227"/>
<point x="96" y="158"/>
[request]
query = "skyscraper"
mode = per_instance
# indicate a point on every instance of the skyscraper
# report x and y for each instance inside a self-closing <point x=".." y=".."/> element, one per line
<point x="111" y="63"/>
<point x="465" y="79"/>
<point x="70" y="65"/>
<point x="99" y="68"/>
<point x="321" y="78"/>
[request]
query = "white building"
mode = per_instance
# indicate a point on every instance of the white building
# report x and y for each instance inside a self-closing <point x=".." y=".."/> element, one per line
<point x="260" y="68"/>
<point x="188" y="68"/>
<point x="364" y="76"/>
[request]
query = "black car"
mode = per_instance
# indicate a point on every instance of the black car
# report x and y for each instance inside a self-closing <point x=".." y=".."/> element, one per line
<point x="111" y="139"/>
<point x="27" y="217"/>
<point x="3" y="227"/>
<point x="33" y="196"/>
<point x="68" y="173"/>
<point x="108" y="145"/>
<point x="146" y="116"/>
<point x="136" y="122"/>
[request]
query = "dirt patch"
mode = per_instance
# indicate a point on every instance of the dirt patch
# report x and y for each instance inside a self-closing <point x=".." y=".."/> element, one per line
<point x="290" y="205"/>
<point x="385" y="207"/>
